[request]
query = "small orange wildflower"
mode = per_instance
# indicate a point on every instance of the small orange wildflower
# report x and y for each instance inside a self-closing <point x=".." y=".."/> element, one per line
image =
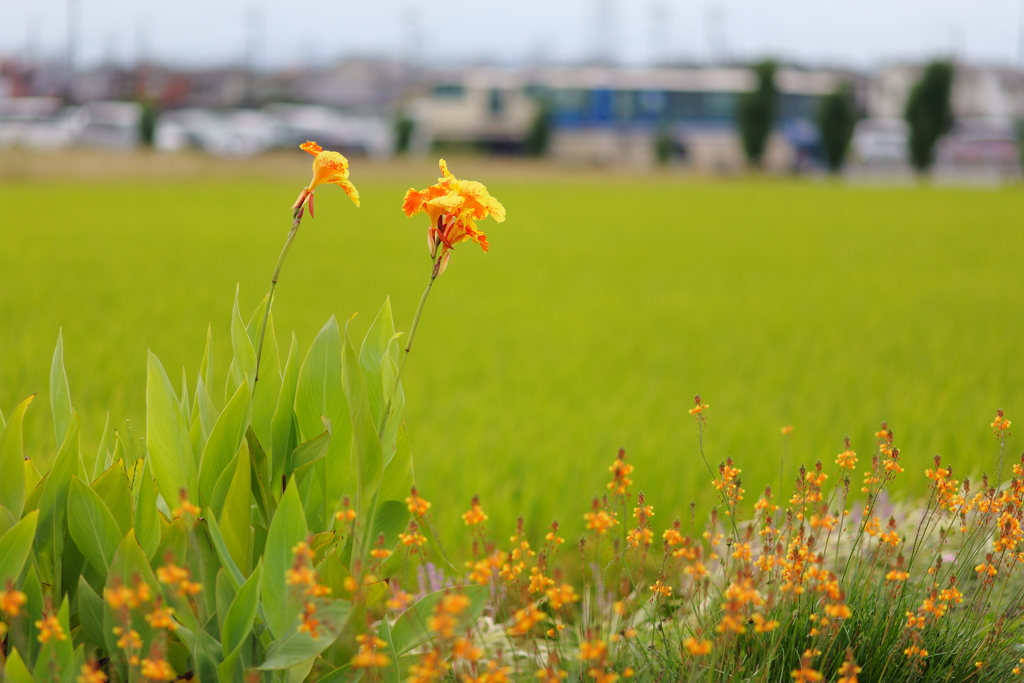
<point x="1000" y="425"/>
<point x="91" y="674"/>
<point x="50" y="628"/>
<point x="368" y="657"/>
<point x="696" y="647"/>
<point x="475" y="515"/>
<point x="417" y="506"/>
<point x="11" y="600"/>
<point x="600" y="521"/>
<point x="157" y="670"/>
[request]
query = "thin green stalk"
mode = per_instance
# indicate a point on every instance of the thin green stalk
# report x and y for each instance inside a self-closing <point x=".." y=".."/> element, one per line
<point x="408" y="347"/>
<point x="296" y="220"/>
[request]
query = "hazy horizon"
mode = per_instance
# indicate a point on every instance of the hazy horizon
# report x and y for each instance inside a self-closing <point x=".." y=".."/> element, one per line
<point x="194" y="33"/>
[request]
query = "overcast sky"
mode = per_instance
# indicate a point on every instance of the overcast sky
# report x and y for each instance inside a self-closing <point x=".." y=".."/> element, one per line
<point x="856" y="33"/>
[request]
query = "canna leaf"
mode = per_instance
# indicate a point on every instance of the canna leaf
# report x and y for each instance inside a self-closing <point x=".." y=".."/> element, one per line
<point x="243" y="365"/>
<point x="113" y="489"/>
<point x="147" y="519"/>
<point x="366" y="454"/>
<point x="12" y="461"/>
<point x="60" y="394"/>
<point x="410" y="629"/>
<point x="224" y="441"/>
<point x="284" y="430"/>
<point x="287" y="529"/>
<point x="296" y="647"/>
<point x="174" y="465"/>
<point x="239" y="619"/>
<point x="15" y="546"/>
<point x="92" y="527"/>
<point x="236" y="515"/>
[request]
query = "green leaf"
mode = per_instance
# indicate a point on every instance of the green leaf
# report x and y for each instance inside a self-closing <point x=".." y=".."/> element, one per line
<point x="371" y="357"/>
<point x="391" y="519"/>
<point x="319" y="394"/>
<point x="60" y="395"/>
<point x="311" y="450"/>
<point x="410" y="630"/>
<point x="297" y="646"/>
<point x="105" y="449"/>
<point x="112" y="488"/>
<point x="57" y="657"/>
<point x="183" y="400"/>
<point x="12" y="461"/>
<point x="268" y="387"/>
<point x="284" y="428"/>
<point x="208" y="413"/>
<point x="7" y="520"/>
<point x="366" y="444"/>
<point x="398" y="474"/>
<point x="93" y="528"/>
<point x="217" y="541"/>
<point x="53" y="506"/>
<point x="15" y="546"/>
<point x="224" y="441"/>
<point x="236" y="516"/>
<point x="173" y="462"/>
<point x="15" y="670"/>
<point x="240" y="616"/>
<point x="90" y="614"/>
<point x="243" y="365"/>
<point x="147" y="520"/>
<point x="206" y="366"/>
<point x="287" y="529"/>
<point x="34" y="590"/>
<point x="391" y="672"/>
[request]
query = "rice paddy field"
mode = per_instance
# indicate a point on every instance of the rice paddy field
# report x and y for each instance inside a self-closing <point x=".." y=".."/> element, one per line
<point x="605" y="304"/>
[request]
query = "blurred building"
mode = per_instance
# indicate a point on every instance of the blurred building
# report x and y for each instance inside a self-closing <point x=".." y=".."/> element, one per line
<point x="613" y="116"/>
<point x="987" y="103"/>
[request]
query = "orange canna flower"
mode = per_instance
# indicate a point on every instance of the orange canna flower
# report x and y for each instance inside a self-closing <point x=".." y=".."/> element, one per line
<point x="329" y="168"/>
<point x="453" y="207"/>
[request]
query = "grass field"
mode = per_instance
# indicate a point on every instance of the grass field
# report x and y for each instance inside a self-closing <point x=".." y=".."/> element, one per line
<point x="605" y="304"/>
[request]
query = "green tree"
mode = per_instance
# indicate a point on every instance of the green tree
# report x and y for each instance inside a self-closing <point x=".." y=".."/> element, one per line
<point x="539" y="135"/>
<point x="403" y="134"/>
<point x="836" y="120"/>
<point x="929" y="113"/>
<point x="147" y="122"/>
<point x="756" y="113"/>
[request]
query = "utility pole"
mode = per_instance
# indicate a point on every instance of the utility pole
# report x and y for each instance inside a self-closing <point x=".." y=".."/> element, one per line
<point x="73" y="19"/>
<point x="661" y="51"/>
<point x="603" y="40"/>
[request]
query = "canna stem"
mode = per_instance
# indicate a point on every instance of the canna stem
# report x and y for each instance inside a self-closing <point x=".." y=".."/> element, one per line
<point x="296" y="220"/>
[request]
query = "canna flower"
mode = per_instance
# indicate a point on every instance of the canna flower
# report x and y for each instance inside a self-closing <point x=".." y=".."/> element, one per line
<point x="329" y="168"/>
<point x="453" y="207"/>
